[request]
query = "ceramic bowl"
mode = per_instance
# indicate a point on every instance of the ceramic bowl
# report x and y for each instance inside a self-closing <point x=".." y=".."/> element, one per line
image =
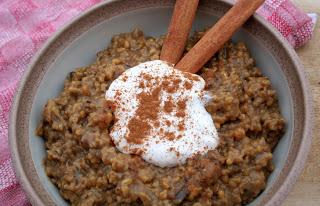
<point x="77" y="44"/>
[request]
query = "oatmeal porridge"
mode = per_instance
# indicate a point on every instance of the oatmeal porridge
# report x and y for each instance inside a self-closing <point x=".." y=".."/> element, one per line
<point x="83" y="162"/>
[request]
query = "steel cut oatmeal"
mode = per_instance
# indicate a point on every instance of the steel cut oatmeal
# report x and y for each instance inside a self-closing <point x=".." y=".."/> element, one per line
<point x="85" y="165"/>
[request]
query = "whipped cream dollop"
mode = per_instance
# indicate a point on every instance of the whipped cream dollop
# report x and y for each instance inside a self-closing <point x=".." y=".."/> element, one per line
<point x="160" y="114"/>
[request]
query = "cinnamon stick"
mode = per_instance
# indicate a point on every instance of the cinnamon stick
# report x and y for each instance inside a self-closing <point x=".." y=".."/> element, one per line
<point x="179" y="28"/>
<point x="221" y="32"/>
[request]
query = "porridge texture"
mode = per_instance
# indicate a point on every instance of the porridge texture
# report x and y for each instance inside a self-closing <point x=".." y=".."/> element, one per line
<point x="84" y="164"/>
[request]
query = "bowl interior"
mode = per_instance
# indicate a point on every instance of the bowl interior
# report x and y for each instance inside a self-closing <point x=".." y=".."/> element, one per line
<point x="154" y="22"/>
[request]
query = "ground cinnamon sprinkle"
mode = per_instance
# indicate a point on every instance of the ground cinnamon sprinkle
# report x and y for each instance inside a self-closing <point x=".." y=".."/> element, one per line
<point x="176" y="82"/>
<point x="125" y="78"/>
<point x="141" y="85"/>
<point x="157" y="124"/>
<point x="170" y="136"/>
<point x="147" y="77"/>
<point x="181" y="126"/>
<point x="118" y="95"/>
<point x="182" y="104"/>
<point x="187" y="85"/>
<point x="180" y="114"/>
<point x="166" y="83"/>
<point x="147" y="112"/>
<point x="181" y="108"/>
<point x="170" y="84"/>
<point x="172" y="89"/>
<point x="192" y="76"/>
<point x="168" y="106"/>
<point x="147" y="115"/>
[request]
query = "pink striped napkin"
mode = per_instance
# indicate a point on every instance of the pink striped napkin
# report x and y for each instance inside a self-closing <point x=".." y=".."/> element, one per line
<point x="26" y="24"/>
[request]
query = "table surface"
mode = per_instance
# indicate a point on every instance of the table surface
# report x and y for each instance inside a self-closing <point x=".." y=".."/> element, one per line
<point x="307" y="190"/>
